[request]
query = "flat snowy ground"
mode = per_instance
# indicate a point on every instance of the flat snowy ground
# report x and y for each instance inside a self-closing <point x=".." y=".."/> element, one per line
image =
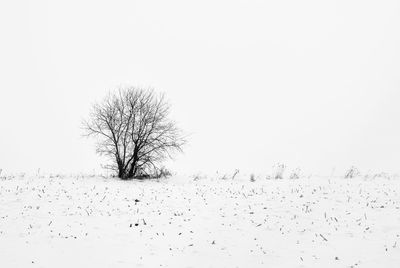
<point x="179" y="222"/>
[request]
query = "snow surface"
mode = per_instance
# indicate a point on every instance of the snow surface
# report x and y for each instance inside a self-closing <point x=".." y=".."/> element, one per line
<point x="76" y="221"/>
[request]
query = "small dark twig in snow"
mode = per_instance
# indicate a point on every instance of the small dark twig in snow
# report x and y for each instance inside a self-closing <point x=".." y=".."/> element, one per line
<point x="323" y="237"/>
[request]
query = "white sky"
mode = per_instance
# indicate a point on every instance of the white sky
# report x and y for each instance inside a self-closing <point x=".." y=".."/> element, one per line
<point x="313" y="84"/>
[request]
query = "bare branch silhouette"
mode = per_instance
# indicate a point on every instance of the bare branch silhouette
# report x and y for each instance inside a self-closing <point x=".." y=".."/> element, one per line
<point x="134" y="130"/>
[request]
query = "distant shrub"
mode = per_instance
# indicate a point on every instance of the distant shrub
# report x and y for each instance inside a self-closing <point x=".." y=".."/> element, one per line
<point x="352" y="172"/>
<point x="295" y="174"/>
<point x="279" y="170"/>
<point x="163" y="173"/>
<point x="198" y="177"/>
<point x="383" y="175"/>
<point x="268" y="177"/>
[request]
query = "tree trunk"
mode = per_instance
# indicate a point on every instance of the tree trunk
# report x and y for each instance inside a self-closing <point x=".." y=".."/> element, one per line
<point x="121" y="170"/>
<point x="132" y="169"/>
<point x="121" y="173"/>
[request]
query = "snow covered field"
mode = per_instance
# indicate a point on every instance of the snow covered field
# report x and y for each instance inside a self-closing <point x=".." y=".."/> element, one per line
<point x="209" y="222"/>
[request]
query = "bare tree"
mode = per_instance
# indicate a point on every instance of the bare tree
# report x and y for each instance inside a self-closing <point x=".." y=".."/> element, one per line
<point x="134" y="131"/>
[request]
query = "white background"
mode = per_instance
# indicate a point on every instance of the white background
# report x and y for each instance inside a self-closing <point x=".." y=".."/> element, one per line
<point x="313" y="84"/>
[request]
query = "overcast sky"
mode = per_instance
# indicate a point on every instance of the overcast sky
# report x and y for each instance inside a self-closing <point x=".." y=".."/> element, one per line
<point x="313" y="84"/>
